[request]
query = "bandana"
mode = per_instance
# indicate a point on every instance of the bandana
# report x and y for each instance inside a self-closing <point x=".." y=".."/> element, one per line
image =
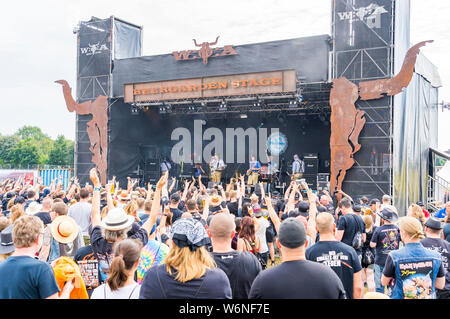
<point x="186" y="232"/>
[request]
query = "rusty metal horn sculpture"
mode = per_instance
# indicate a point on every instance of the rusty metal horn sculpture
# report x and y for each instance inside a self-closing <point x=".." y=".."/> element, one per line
<point x="96" y="128"/>
<point x="347" y="121"/>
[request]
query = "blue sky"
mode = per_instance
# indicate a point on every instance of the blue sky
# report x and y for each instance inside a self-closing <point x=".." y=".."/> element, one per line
<point x="39" y="47"/>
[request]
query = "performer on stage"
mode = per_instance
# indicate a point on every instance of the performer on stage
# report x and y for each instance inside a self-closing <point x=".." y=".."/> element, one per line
<point x="198" y="170"/>
<point x="298" y="168"/>
<point x="253" y="172"/>
<point x="165" y="166"/>
<point x="272" y="170"/>
<point x="216" y="166"/>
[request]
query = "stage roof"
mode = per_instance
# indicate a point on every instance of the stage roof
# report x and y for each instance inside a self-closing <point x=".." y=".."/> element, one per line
<point x="307" y="55"/>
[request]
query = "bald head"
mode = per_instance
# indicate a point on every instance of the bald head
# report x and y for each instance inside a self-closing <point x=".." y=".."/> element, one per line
<point x="324" y="223"/>
<point x="222" y="226"/>
<point x="47" y="204"/>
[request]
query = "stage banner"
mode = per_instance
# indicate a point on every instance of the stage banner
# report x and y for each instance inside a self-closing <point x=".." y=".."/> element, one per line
<point x="127" y="40"/>
<point x="363" y="35"/>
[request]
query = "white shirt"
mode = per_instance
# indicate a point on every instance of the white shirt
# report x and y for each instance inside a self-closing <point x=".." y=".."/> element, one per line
<point x="127" y="292"/>
<point x="261" y="233"/>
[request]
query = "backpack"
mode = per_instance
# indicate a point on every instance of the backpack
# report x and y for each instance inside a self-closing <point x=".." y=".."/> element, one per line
<point x="357" y="241"/>
<point x="368" y="258"/>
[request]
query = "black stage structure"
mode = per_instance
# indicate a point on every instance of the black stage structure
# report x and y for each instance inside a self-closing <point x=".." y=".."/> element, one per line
<point x="366" y="43"/>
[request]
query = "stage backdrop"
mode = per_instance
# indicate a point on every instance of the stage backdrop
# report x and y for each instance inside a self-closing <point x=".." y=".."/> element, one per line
<point x="131" y="136"/>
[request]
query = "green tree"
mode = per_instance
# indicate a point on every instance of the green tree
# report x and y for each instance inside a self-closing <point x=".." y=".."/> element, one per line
<point x="42" y="141"/>
<point x="62" y="152"/>
<point x="26" y="152"/>
<point x="7" y="144"/>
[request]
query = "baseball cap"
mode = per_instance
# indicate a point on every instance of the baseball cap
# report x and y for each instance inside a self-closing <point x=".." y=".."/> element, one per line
<point x="292" y="233"/>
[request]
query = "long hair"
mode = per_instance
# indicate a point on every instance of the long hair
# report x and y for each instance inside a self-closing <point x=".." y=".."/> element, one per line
<point x="248" y="229"/>
<point x="188" y="264"/>
<point x="447" y="218"/>
<point x="417" y="212"/>
<point x="126" y="254"/>
<point x="245" y="207"/>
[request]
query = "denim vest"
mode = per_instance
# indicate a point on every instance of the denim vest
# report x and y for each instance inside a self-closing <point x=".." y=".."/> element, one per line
<point x="416" y="269"/>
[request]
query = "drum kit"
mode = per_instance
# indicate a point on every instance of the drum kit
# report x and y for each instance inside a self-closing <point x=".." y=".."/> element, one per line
<point x="269" y="175"/>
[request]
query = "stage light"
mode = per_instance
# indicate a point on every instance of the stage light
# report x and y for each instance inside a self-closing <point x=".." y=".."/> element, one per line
<point x="293" y="104"/>
<point x="243" y="116"/>
<point x="223" y="106"/>
<point x="134" y="109"/>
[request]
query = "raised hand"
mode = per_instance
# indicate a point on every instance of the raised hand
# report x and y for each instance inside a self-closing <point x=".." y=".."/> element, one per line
<point x="162" y="181"/>
<point x="94" y="177"/>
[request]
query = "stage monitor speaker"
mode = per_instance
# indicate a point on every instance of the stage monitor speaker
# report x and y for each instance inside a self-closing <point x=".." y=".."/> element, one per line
<point x="311" y="164"/>
<point x="323" y="185"/>
<point x="323" y="177"/>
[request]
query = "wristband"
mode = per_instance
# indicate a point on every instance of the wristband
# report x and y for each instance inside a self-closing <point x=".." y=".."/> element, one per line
<point x="97" y="189"/>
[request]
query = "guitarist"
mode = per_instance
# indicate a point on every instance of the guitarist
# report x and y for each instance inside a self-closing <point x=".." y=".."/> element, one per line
<point x="216" y="166"/>
<point x="253" y="172"/>
<point x="298" y="168"/>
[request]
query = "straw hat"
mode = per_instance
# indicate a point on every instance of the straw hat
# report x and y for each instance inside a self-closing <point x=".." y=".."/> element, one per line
<point x="216" y="201"/>
<point x="124" y="195"/>
<point x="33" y="208"/>
<point x="64" y="229"/>
<point x="117" y="219"/>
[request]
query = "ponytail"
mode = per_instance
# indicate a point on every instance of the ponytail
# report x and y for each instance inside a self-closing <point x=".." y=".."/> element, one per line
<point x="117" y="273"/>
<point x="127" y="253"/>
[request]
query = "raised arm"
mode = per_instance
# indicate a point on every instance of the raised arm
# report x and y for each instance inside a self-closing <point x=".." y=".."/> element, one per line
<point x="172" y="185"/>
<point x="156" y="205"/>
<point x="109" y="199"/>
<point x="95" y="214"/>
<point x="272" y="214"/>
<point x="312" y="212"/>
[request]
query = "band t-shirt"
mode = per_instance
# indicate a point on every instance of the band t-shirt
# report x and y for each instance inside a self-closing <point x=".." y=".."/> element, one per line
<point x="351" y="224"/>
<point x="443" y="248"/>
<point x="241" y="269"/>
<point x="297" y="279"/>
<point x="89" y="267"/>
<point x="23" y="277"/>
<point x="387" y="238"/>
<point x="338" y="256"/>
<point x="159" y="284"/>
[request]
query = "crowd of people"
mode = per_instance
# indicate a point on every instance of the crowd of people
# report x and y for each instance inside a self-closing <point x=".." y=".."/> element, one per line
<point x="224" y="242"/>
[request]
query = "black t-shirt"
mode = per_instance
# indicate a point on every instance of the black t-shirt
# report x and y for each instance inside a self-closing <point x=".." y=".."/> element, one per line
<point x="241" y="269"/>
<point x="233" y="208"/>
<point x="340" y="257"/>
<point x="159" y="284"/>
<point x="443" y="248"/>
<point x="298" y="279"/>
<point x="176" y="214"/>
<point x="45" y="217"/>
<point x="387" y="238"/>
<point x="88" y="264"/>
<point x="351" y="224"/>
<point x="104" y="250"/>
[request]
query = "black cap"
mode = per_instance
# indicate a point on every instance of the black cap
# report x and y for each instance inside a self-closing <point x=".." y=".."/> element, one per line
<point x="303" y="207"/>
<point x="434" y="223"/>
<point x="357" y="209"/>
<point x="292" y="233"/>
<point x="374" y="201"/>
<point x="420" y="203"/>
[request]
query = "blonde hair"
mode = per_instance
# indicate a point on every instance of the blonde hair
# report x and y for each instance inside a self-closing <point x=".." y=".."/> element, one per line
<point x="368" y="220"/>
<point x="16" y="212"/>
<point x="130" y="208"/>
<point x="26" y="230"/>
<point x="10" y="203"/>
<point x="104" y="212"/>
<point x="412" y="227"/>
<point x="188" y="264"/>
<point x="417" y="212"/>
